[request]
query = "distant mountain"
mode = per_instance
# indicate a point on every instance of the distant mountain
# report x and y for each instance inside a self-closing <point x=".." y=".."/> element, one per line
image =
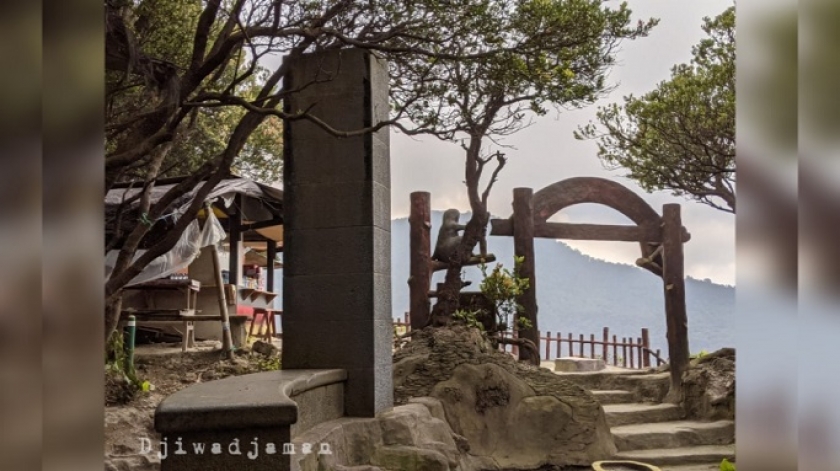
<point x="580" y="294"/>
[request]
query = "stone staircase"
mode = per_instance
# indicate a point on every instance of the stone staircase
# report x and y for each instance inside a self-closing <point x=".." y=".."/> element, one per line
<point x="654" y="432"/>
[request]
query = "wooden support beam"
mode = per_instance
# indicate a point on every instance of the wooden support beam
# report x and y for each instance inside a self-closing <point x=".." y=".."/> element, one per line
<point x="673" y="278"/>
<point x="420" y="249"/>
<point x="261" y="225"/>
<point x="574" y="231"/>
<point x="474" y="260"/>
<point x="523" y="246"/>
<point x="227" y="340"/>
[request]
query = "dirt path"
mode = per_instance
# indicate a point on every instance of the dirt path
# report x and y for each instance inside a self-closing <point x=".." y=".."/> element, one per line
<point x="169" y="370"/>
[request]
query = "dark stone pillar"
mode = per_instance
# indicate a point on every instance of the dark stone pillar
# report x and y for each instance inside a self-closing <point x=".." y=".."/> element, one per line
<point x="337" y="273"/>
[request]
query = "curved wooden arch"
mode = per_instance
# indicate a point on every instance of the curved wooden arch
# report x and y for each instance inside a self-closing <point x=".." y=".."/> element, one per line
<point x="577" y="190"/>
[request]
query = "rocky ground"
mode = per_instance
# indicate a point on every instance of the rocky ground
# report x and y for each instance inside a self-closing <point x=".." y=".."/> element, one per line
<point x="129" y="418"/>
<point x="513" y="415"/>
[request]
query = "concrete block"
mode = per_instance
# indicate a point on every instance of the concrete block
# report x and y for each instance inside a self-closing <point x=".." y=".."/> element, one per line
<point x="324" y="159"/>
<point x="332" y="204"/>
<point x="329" y="251"/>
<point x="571" y="364"/>
<point x="342" y="343"/>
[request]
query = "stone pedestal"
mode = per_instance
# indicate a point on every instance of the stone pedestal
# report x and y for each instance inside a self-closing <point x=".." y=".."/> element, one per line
<point x="337" y="230"/>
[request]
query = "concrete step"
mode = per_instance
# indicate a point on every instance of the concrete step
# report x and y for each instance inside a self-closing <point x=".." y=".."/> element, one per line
<point x="707" y="454"/>
<point x="627" y="380"/>
<point x="613" y="396"/>
<point x="640" y="413"/>
<point x="677" y="434"/>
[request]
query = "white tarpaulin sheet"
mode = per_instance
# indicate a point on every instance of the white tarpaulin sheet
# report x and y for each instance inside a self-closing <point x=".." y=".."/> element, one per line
<point x="181" y="256"/>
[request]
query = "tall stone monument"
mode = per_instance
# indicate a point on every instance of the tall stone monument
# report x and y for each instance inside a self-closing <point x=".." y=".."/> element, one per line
<point x="337" y="234"/>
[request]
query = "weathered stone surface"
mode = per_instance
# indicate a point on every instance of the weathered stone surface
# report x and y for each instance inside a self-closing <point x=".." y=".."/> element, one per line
<point x="579" y="364"/>
<point x="511" y="415"/>
<point x="410" y="459"/>
<point x="710" y="386"/>
<point x="406" y="438"/>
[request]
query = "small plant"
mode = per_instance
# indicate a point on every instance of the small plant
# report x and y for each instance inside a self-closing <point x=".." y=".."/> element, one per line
<point x="121" y="381"/>
<point x="502" y="287"/>
<point x="725" y="465"/>
<point x="271" y="363"/>
<point x="698" y="355"/>
<point x="468" y="318"/>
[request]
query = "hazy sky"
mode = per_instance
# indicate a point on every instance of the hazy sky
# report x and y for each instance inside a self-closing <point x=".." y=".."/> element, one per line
<point x="547" y="152"/>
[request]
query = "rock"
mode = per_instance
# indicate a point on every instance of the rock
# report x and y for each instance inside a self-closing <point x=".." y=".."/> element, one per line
<point x="408" y="458"/>
<point x="189" y="377"/>
<point x="709" y="384"/>
<point x="510" y="415"/>
<point x="264" y="348"/>
<point x="405" y="438"/>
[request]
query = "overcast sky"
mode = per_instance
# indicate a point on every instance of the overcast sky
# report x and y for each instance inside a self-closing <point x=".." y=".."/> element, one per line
<point x="547" y="152"/>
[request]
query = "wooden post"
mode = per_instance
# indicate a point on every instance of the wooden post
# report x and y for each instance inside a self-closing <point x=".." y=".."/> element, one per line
<point x="547" y="345"/>
<point x="646" y="347"/>
<point x="615" y="350"/>
<point x="234" y="237"/>
<point x="591" y="345"/>
<point x="640" y="348"/>
<point x="271" y="255"/>
<point x="673" y="278"/>
<point x="557" y="347"/>
<point x="227" y="340"/>
<point x="580" y="348"/>
<point x="624" y="352"/>
<point x="606" y="340"/>
<point x="420" y="248"/>
<point x="571" y="352"/>
<point x="523" y="246"/>
<point x="632" y="347"/>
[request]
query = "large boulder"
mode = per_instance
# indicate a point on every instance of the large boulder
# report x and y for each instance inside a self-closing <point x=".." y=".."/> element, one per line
<point x="510" y="415"/>
<point x="709" y="384"/>
<point x="410" y="437"/>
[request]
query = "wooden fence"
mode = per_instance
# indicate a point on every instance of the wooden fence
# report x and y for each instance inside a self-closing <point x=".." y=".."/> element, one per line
<point x="626" y="352"/>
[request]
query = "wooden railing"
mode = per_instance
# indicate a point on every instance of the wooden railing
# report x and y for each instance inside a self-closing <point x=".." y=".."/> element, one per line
<point x="626" y="352"/>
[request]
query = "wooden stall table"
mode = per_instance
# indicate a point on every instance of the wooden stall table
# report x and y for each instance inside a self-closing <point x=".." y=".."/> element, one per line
<point x="187" y="315"/>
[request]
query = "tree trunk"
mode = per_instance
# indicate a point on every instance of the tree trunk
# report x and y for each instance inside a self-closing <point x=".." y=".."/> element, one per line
<point x="475" y="231"/>
<point x="113" y="307"/>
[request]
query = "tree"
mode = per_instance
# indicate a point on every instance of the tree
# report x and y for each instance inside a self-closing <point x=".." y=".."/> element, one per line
<point x="680" y="136"/>
<point x="460" y="69"/>
<point x="564" y="49"/>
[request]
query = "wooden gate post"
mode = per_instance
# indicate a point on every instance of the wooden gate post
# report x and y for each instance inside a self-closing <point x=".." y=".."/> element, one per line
<point x="674" y="283"/>
<point x="645" y="348"/>
<point x="420" y="272"/>
<point x="523" y="246"/>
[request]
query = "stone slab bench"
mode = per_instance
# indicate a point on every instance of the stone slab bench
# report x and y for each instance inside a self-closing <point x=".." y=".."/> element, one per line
<point x="242" y="422"/>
